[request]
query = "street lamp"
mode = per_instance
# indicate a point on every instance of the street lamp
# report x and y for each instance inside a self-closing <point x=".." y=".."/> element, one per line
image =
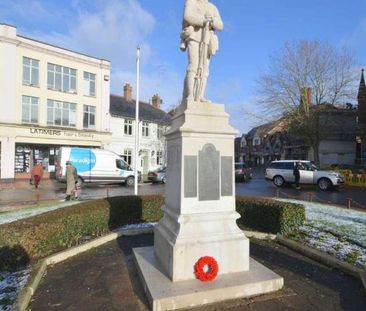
<point x="137" y="118"/>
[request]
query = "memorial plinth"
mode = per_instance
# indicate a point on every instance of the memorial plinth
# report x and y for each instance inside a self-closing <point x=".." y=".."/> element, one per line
<point x="200" y="218"/>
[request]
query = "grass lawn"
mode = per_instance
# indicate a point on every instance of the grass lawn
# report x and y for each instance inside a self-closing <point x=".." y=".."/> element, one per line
<point x="337" y="231"/>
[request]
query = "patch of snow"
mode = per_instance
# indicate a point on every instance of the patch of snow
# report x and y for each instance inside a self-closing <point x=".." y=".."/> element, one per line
<point x="7" y="217"/>
<point x="143" y="225"/>
<point x="347" y="223"/>
<point x="10" y="285"/>
<point x="337" y="231"/>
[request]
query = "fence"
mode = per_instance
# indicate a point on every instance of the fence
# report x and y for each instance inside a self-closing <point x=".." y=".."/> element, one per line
<point x="357" y="180"/>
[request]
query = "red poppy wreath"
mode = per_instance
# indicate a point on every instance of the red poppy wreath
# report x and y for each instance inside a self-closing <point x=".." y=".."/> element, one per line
<point x="211" y="271"/>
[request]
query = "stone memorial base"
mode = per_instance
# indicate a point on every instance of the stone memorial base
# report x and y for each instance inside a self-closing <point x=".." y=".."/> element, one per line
<point x="163" y="294"/>
<point x="200" y="218"/>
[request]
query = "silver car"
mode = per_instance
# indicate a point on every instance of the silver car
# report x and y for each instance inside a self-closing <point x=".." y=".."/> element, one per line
<point x="281" y="172"/>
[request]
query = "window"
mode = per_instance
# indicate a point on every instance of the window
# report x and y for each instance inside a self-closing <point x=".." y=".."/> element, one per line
<point x="145" y="129"/>
<point x="30" y="71"/>
<point x="122" y="165"/>
<point x="29" y="109"/>
<point x="128" y="127"/>
<point x="160" y="132"/>
<point x="61" y="78"/>
<point x="89" y="84"/>
<point x="128" y="156"/>
<point x="89" y="117"/>
<point x="159" y="158"/>
<point x="61" y="113"/>
<point x="257" y="142"/>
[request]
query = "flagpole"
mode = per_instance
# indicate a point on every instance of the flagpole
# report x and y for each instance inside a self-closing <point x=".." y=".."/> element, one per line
<point x="137" y="119"/>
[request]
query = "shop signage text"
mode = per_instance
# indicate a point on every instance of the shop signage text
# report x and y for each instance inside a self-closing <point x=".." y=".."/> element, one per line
<point x="68" y="134"/>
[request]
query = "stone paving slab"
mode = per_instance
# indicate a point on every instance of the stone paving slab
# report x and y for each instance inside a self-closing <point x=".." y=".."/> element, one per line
<point x="107" y="279"/>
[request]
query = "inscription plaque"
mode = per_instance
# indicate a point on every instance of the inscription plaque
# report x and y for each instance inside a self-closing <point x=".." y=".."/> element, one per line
<point x="209" y="173"/>
<point x="190" y="176"/>
<point x="226" y="176"/>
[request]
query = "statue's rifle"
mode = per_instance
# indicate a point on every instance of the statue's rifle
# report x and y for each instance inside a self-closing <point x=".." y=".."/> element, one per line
<point x="202" y="61"/>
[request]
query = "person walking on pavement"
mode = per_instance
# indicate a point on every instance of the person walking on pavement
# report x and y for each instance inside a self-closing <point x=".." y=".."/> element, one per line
<point x="37" y="173"/>
<point x="70" y="180"/>
<point x="297" y="174"/>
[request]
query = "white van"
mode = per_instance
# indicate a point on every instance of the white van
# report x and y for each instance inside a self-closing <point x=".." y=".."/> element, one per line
<point x="94" y="166"/>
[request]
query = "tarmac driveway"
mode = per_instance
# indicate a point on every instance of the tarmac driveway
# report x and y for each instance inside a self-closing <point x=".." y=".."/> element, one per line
<point x="106" y="279"/>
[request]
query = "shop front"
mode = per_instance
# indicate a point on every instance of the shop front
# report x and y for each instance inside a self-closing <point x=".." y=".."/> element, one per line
<point x="23" y="147"/>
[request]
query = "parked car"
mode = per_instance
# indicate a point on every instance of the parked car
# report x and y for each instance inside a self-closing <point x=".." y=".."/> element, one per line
<point x="159" y="175"/>
<point x="94" y="166"/>
<point x="281" y="172"/>
<point x="242" y="171"/>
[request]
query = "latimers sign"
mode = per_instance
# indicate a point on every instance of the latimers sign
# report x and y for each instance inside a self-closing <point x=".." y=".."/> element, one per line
<point x="61" y="133"/>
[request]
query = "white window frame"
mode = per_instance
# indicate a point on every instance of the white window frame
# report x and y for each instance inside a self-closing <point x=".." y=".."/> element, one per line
<point x="64" y="76"/>
<point x="89" y="110"/>
<point x="127" y="155"/>
<point x="32" y="78"/>
<point x="89" y="84"/>
<point x="56" y="106"/>
<point x="159" y="157"/>
<point x="32" y="103"/>
<point x="160" y="132"/>
<point x="145" y="129"/>
<point x="128" y="127"/>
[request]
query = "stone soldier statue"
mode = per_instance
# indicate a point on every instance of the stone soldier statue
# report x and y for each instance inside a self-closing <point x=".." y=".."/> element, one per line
<point x="200" y="21"/>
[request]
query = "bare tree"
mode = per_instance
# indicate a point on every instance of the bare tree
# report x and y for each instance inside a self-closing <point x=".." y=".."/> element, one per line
<point x="301" y="78"/>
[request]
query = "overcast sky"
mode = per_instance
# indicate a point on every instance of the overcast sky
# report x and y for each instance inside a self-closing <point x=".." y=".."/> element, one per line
<point x="112" y="29"/>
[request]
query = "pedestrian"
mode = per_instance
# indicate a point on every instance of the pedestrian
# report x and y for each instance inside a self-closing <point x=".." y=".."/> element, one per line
<point x="37" y="173"/>
<point x="297" y="174"/>
<point x="70" y="180"/>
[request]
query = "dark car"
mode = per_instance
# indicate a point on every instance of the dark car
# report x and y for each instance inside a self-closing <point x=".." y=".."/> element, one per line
<point x="242" y="171"/>
<point x="159" y="175"/>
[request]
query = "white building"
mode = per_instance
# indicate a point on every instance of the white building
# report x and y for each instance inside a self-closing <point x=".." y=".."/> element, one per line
<point x="49" y="97"/>
<point x="153" y="124"/>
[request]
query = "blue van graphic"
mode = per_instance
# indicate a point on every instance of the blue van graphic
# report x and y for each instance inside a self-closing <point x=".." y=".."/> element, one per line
<point x="82" y="159"/>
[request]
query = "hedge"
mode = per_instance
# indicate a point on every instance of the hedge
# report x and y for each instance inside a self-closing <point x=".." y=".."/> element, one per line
<point x="39" y="236"/>
<point x="269" y="215"/>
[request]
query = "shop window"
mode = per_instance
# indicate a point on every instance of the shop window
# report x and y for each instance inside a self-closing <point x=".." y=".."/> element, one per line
<point x="61" y="113"/>
<point x="89" y="117"/>
<point x="89" y="84"/>
<point x="145" y="129"/>
<point x="30" y="71"/>
<point x="128" y="127"/>
<point x="29" y="109"/>
<point x="128" y="156"/>
<point x="159" y="158"/>
<point x="61" y="78"/>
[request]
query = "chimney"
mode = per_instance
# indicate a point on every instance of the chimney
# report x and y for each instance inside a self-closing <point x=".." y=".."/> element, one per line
<point x="127" y="92"/>
<point x="156" y="101"/>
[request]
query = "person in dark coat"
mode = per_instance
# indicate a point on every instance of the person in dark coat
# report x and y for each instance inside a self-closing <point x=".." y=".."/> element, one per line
<point x="297" y="174"/>
<point x="71" y="179"/>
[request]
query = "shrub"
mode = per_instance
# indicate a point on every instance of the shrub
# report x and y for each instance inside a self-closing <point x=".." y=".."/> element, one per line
<point x="269" y="215"/>
<point x="42" y="235"/>
<point x="39" y="236"/>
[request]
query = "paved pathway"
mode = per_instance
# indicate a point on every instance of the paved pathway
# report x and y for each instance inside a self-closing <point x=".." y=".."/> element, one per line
<point x="106" y="279"/>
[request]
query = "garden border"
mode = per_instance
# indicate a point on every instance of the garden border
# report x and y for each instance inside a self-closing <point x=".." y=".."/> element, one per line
<point x="38" y="271"/>
<point x="40" y="268"/>
<point x="324" y="258"/>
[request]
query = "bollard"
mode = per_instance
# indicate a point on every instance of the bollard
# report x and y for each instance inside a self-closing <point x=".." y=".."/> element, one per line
<point x="107" y="192"/>
<point x="349" y="199"/>
<point x="278" y="193"/>
<point x="37" y="198"/>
